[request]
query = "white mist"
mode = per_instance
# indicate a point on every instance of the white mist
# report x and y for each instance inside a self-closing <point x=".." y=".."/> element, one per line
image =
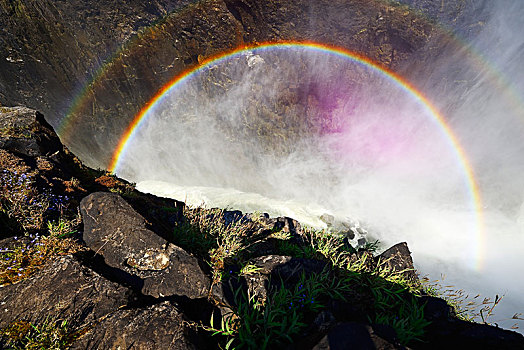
<point x="299" y="132"/>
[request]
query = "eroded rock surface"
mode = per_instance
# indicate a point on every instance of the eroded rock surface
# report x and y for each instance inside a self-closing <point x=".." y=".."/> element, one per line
<point x="159" y="326"/>
<point x="353" y="336"/>
<point x="398" y="258"/>
<point x="63" y="289"/>
<point x="114" y="230"/>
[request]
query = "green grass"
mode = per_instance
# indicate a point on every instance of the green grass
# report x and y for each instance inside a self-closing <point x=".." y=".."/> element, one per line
<point x="31" y="252"/>
<point x="272" y="323"/>
<point x="206" y="234"/>
<point x="49" y="335"/>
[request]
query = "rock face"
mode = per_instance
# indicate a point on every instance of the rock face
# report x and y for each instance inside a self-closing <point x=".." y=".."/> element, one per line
<point x="398" y="258"/>
<point x="25" y="132"/>
<point x="62" y="289"/>
<point x="54" y="47"/>
<point x="353" y="336"/>
<point x="159" y="326"/>
<point x="144" y="260"/>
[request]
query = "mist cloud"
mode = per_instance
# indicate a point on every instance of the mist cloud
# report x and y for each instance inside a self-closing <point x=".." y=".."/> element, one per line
<point x="303" y="132"/>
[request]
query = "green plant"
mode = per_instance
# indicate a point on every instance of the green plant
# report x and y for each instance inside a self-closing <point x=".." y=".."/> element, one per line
<point x="63" y="227"/>
<point x="30" y="253"/>
<point x="206" y="233"/>
<point x="50" y="334"/>
<point x="249" y="269"/>
<point x="266" y="324"/>
<point x="21" y="200"/>
<point x="467" y="308"/>
<point x="291" y="249"/>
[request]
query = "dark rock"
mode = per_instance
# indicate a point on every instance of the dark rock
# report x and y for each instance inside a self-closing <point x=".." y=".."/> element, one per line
<point x="458" y="334"/>
<point x="50" y="47"/>
<point x="347" y="311"/>
<point x="436" y="309"/>
<point x="356" y="336"/>
<point x="24" y="131"/>
<point x="447" y="331"/>
<point x="386" y="332"/>
<point x="322" y="323"/>
<point x="63" y="289"/>
<point x="275" y="269"/>
<point x="398" y="258"/>
<point x="148" y="262"/>
<point x="288" y="225"/>
<point x="233" y="216"/>
<point x="158" y="326"/>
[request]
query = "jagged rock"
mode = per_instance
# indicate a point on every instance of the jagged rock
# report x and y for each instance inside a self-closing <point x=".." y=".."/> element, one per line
<point x="63" y="289"/>
<point x="398" y="258"/>
<point x="353" y="336"/>
<point x="159" y="326"/>
<point x="113" y="229"/>
<point x="25" y="132"/>
<point x="447" y="331"/>
<point x="276" y="269"/>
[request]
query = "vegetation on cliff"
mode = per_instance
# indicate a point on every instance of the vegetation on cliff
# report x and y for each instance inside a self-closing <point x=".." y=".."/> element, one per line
<point x="249" y="281"/>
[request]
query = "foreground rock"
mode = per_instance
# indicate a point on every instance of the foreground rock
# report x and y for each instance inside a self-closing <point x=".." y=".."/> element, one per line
<point x="63" y="289"/>
<point x="142" y="259"/>
<point x="353" y="336"/>
<point x="159" y="326"/>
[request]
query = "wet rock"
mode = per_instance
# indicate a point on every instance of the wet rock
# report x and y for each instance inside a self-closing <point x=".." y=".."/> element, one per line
<point x="274" y="269"/>
<point x="328" y="219"/>
<point x="352" y="336"/>
<point x="155" y="267"/>
<point x="24" y="131"/>
<point x="156" y="327"/>
<point x="63" y="289"/>
<point x="398" y="258"/>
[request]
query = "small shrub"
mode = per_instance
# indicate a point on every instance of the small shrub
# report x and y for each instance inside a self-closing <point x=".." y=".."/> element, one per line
<point x="274" y="322"/>
<point x="51" y="334"/>
<point x="21" y="201"/>
<point x="33" y="251"/>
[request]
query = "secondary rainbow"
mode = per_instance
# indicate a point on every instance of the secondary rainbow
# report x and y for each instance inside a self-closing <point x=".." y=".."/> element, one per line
<point x="142" y="116"/>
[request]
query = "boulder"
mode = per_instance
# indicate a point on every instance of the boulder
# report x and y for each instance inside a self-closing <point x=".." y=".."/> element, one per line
<point x="398" y="258"/>
<point x="138" y="256"/>
<point x="447" y="331"/>
<point x="159" y="326"/>
<point x="25" y="132"/>
<point x="352" y="335"/>
<point x="272" y="269"/>
<point x="62" y="289"/>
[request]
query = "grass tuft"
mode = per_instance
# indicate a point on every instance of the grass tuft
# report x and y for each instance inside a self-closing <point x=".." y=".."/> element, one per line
<point x="50" y="334"/>
<point x="29" y="253"/>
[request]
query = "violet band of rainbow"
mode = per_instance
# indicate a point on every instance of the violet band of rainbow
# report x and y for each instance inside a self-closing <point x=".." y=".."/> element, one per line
<point x="81" y="99"/>
<point x="474" y="192"/>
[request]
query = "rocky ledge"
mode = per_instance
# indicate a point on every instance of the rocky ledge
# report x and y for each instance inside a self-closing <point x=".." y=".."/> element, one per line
<point x="88" y="262"/>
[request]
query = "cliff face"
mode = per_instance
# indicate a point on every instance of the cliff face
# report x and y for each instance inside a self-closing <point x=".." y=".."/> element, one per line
<point x="101" y="62"/>
<point x="50" y="50"/>
<point x="49" y="47"/>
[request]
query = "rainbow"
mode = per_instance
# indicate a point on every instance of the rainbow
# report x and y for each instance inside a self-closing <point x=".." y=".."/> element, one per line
<point x="406" y="86"/>
<point x="82" y="97"/>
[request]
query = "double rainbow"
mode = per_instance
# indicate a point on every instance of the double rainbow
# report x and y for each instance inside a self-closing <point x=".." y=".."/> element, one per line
<point x="147" y="111"/>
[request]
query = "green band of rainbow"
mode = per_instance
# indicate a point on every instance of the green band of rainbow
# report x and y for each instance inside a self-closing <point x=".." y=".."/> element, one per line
<point x="473" y="189"/>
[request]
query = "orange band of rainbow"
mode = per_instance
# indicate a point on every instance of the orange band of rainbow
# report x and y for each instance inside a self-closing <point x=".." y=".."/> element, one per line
<point x="397" y="79"/>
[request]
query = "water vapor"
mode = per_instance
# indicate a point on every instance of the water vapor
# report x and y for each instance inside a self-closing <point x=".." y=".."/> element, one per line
<point x="300" y="132"/>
